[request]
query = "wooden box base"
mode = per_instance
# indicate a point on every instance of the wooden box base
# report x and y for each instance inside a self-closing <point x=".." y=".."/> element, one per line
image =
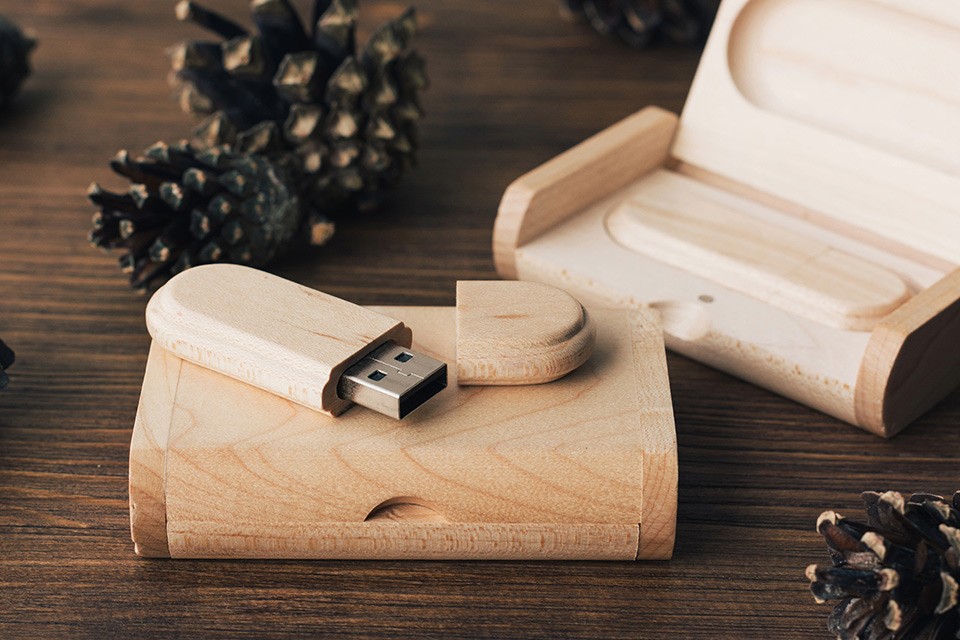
<point x="581" y="468"/>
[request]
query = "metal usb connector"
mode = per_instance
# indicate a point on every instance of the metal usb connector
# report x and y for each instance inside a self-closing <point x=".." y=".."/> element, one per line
<point x="392" y="380"/>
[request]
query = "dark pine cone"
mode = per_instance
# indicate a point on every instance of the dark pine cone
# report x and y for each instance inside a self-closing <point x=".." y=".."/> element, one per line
<point x="350" y="119"/>
<point x="896" y="576"/>
<point x="191" y="206"/>
<point x="640" y="22"/>
<point x="6" y="359"/>
<point x="15" y="48"/>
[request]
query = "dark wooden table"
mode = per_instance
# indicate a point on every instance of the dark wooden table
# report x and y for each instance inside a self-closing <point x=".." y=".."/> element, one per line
<point x="512" y="86"/>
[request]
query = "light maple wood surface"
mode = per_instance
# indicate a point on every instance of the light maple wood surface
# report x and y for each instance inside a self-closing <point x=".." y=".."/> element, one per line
<point x="562" y="470"/>
<point x="741" y="334"/>
<point x="269" y="332"/>
<point x="561" y="187"/>
<point x="913" y="359"/>
<point x="148" y="448"/>
<point x="918" y="268"/>
<point x="843" y="107"/>
<point x="681" y="222"/>
<point x="516" y="333"/>
<point x="776" y="237"/>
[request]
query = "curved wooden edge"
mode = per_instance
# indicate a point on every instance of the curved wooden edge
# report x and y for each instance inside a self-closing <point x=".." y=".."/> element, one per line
<point x="912" y="360"/>
<point x="519" y="333"/>
<point x="658" y="524"/>
<point x="148" y="451"/>
<point x="593" y="169"/>
<point x="659" y="530"/>
<point x="386" y="539"/>
<point x="537" y="367"/>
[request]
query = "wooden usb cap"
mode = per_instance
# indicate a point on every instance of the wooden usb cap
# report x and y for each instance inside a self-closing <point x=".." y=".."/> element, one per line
<point x="518" y="333"/>
<point x="268" y="332"/>
<point x="797" y="226"/>
<point x="583" y="467"/>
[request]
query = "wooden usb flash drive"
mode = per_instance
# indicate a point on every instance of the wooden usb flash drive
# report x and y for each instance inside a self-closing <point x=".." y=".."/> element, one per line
<point x="304" y="345"/>
<point x="797" y="226"/>
<point x="573" y="456"/>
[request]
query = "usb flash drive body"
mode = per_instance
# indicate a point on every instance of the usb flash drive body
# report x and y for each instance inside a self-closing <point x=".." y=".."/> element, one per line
<point x="298" y="343"/>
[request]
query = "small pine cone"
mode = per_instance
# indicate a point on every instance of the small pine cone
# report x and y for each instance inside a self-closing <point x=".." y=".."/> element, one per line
<point x="640" y="22"/>
<point x="896" y="576"/>
<point x="348" y="117"/>
<point x="6" y="359"/>
<point x="187" y="207"/>
<point x="15" y="48"/>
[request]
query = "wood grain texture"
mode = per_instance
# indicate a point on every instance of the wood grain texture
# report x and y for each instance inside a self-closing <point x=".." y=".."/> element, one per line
<point x="148" y="454"/>
<point x="922" y="269"/>
<point x="512" y="87"/>
<point x="686" y="224"/>
<point x="518" y="333"/>
<point x="535" y="472"/>
<point x="913" y="359"/>
<point x="703" y="319"/>
<point x="269" y="332"/>
<point x="557" y="189"/>
<point x="839" y="107"/>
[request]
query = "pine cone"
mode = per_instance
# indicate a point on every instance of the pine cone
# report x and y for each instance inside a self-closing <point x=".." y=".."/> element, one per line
<point x="350" y="119"/>
<point x="15" y="48"/>
<point x="6" y="359"/>
<point x="897" y="575"/>
<point x="640" y="22"/>
<point x="188" y="206"/>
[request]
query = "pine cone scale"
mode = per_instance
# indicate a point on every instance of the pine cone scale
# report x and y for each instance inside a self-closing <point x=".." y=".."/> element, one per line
<point x="279" y="26"/>
<point x="227" y="29"/>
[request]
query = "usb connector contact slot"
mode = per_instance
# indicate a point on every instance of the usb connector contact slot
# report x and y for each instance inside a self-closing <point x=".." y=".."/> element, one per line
<point x="393" y="380"/>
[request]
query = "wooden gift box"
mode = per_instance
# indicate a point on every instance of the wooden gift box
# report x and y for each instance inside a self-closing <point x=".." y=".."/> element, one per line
<point x="583" y="467"/>
<point x="798" y="226"/>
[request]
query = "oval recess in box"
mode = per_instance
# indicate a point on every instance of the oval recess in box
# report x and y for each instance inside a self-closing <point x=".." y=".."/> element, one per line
<point x="676" y="221"/>
<point x="860" y="69"/>
<point x="405" y="509"/>
<point x="682" y="319"/>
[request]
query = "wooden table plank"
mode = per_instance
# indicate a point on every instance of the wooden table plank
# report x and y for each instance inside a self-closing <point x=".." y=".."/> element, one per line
<point x="512" y="86"/>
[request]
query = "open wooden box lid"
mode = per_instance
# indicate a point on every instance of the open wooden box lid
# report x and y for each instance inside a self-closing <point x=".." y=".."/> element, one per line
<point x="798" y="226"/>
<point x="847" y="110"/>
